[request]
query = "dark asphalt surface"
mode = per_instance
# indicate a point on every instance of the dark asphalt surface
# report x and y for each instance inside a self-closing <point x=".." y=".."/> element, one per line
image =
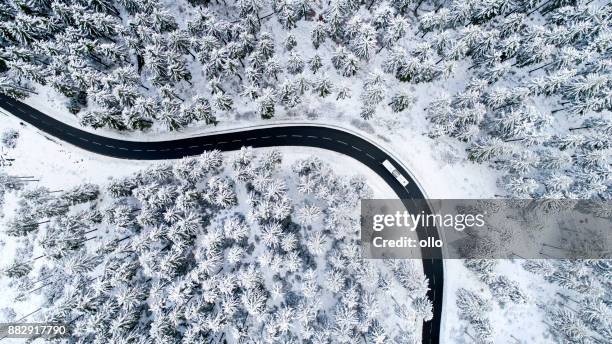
<point x="298" y="135"/>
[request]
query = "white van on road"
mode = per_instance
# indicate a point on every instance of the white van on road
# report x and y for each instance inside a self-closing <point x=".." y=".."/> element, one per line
<point x="389" y="166"/>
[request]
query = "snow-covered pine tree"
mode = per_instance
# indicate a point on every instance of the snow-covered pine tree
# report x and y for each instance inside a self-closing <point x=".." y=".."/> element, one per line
<point x="265" y="104"/>
<point x="401" y="101"/>
<point x="290" y="42"/>
<point x="322" y="87"/>
<point x="295" y="63"/>
<point x="315" y="63"/>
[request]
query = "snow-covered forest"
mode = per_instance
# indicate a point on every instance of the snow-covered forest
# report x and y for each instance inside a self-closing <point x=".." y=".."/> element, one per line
<point x="573" y="306"/>
<point x="202" y="250"/>
<point x="529" y="82"/>
<point x="242" y="249"/>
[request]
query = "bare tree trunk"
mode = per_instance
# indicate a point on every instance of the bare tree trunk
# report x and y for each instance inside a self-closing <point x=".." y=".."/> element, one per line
<point x="417" y="8"/>
<point x="542" y="66"/>
<point x="539" y="7"/>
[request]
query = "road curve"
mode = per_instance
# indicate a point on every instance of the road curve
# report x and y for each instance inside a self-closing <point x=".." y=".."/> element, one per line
<point x="287" y="135"/>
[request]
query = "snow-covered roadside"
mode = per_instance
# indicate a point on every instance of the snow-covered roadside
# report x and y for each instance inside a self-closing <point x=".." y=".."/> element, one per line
<point x="440" y="167"/>
<point x="64" y="165"/>
<point x="57" y="164"/>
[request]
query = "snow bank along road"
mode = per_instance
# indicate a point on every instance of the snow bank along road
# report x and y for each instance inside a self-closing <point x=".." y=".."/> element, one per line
<point x="286" y="135"/>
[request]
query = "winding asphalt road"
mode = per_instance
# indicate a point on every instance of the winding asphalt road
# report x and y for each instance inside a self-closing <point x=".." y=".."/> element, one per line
<point x="286" y="135"/>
